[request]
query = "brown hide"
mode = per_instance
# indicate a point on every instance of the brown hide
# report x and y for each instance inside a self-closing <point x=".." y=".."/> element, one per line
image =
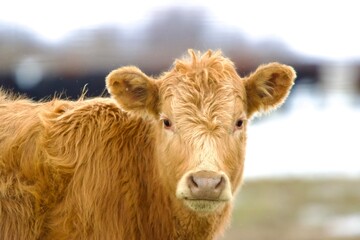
<point x="119" y="168"/>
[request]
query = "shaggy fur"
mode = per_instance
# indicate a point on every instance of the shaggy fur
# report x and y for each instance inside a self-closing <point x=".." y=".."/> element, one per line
<point x="114" y="168"/>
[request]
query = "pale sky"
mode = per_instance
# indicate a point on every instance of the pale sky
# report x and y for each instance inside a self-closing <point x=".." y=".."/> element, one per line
<point x="328" y="29"/>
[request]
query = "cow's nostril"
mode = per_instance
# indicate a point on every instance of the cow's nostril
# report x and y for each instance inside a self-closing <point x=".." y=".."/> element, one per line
<point x="193" y="181"/>
<point x="221" y="183"/>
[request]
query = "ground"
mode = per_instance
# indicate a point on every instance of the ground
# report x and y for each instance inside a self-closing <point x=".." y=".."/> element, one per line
<point x="297" y="209"/>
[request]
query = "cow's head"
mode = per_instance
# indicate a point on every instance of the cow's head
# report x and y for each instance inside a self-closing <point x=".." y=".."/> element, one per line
<point x="202" y="108"/>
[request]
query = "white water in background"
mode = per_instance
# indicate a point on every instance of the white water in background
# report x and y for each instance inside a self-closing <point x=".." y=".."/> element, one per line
<point x="312" y="138"/>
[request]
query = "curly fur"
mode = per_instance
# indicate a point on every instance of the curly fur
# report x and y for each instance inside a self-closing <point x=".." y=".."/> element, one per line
<point x="104" y="168"/>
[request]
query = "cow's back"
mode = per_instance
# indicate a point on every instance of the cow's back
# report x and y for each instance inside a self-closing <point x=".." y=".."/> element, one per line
<point x="29" y="183"/>
<point x="20" y="208"/>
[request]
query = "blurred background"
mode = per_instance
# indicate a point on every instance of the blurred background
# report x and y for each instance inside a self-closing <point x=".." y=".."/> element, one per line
<point x="302" y="172"/>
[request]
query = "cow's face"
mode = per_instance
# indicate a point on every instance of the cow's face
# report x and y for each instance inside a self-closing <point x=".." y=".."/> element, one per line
<point x="201" y="110"/>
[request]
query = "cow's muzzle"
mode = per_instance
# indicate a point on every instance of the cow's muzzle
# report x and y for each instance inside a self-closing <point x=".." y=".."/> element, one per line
<point x="204" y="190"/>
<point x="205" y="185"/>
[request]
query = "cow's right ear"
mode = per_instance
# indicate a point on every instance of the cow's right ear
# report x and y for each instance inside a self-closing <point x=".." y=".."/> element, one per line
<point x="133" y="90"/>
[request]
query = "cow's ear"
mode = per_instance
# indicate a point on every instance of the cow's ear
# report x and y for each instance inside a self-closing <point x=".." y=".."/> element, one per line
<point x="268" y="87"/>
<point x="133" y="90"/>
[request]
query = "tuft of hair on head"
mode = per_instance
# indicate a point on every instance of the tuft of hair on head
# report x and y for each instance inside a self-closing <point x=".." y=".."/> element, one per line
<point x="195" y="60"/>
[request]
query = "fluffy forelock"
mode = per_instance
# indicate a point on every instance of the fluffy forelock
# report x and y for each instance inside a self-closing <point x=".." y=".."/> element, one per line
<point x="204" y="84"/>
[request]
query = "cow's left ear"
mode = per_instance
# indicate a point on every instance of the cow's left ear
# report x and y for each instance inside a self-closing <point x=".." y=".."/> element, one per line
<point x="268" y="87"/>
<point x="133" y="90"/>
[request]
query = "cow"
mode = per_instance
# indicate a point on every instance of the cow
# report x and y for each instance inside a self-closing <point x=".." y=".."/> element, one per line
<point x="162" y="158"/>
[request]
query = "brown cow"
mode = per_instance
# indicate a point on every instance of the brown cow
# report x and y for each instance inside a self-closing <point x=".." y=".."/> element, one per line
<point x="162" y="159"/>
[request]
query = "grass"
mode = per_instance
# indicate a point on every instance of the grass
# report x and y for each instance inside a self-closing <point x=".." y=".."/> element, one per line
<point x="296" y="209"/>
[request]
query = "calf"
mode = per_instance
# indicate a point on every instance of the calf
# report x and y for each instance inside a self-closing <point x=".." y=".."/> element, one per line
<point x="161" y="159"/>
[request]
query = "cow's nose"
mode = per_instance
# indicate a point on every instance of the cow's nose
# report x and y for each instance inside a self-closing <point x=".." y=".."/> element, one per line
<point x="206" y="185"/>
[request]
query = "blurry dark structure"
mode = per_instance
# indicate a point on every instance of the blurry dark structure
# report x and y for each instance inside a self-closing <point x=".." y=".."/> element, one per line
<point x="86" y="56"/>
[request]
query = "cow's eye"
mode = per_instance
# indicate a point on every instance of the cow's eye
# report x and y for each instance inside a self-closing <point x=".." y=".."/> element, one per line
<point x="239" y="123"/>
<point x="167" y="123"/>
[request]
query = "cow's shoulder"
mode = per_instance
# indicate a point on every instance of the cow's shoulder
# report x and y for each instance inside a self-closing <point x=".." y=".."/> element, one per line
<point x="91" y="111"/>
<point x="100" y="118"/>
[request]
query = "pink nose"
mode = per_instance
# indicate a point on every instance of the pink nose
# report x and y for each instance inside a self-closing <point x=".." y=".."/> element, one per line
<point x="206" y="185"/>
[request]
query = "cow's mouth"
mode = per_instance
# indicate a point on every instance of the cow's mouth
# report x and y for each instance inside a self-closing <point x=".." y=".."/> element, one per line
<point x="205" y="206"/>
